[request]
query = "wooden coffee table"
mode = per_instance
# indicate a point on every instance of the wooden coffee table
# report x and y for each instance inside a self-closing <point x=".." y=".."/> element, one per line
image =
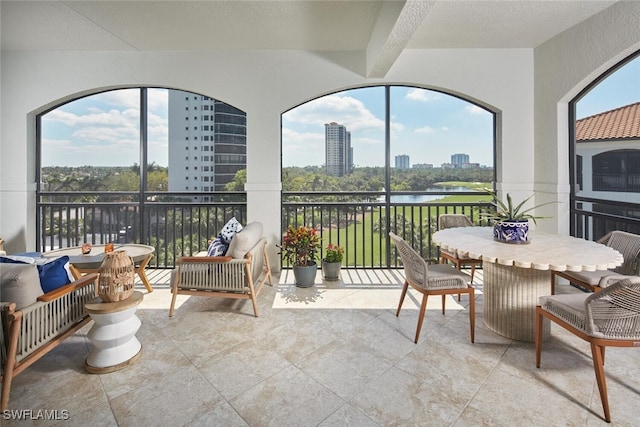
<point x="90" y="263"/>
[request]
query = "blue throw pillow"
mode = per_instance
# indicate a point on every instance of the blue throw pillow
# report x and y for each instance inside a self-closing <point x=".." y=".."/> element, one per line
<point x="217" y="247"/>
<point x="53" y="273"/>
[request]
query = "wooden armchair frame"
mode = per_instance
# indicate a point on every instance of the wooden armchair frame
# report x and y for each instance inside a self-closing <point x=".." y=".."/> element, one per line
<point x="59" y="314"/>
<point x="223" y="277"/>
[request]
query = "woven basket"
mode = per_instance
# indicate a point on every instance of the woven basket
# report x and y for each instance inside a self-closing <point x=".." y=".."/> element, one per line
<point x="116" y="282"/>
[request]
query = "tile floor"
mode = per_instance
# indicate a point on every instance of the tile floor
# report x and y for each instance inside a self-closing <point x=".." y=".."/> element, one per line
<point x="332" y="355"/>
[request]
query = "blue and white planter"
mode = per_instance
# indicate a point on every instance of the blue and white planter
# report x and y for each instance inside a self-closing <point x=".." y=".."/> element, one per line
<point x="514" y="231"/>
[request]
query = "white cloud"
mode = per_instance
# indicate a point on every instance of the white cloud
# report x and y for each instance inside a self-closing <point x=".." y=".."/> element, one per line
<point x="423" y="95"/>
<point x="344" y="110"/>
<point x="425" y="130"/>
<point x="474" y="109"/>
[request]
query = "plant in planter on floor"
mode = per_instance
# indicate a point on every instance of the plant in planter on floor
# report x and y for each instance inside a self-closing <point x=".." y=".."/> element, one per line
<point x="332" y="261"/>
<point x="299" y="248"/>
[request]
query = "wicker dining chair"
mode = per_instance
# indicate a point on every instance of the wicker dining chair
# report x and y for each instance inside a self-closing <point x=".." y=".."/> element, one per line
<point x="453" y="221"/>
<point x="610" y="317"/>
<point x="438" y="279"/>
<point x="627" y="244"/>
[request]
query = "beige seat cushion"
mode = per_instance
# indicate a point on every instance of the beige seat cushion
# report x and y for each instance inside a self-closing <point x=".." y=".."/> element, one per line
<point x="20" y="283"/>
<point x="244" y="240"/>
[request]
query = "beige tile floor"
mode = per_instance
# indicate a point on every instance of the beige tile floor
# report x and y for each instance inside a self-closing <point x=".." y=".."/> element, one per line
<point x="332" y="355"/>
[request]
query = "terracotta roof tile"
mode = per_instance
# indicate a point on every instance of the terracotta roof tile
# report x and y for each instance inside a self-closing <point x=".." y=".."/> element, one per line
<point x="621" y="123"/>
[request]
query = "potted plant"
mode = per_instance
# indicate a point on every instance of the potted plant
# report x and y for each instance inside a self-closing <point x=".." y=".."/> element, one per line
<point x="299" y="248"/>
<point x="332" y="262"/>
<point x="510" y="221"/>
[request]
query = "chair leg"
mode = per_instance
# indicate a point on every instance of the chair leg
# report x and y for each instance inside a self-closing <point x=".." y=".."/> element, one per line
<point x="174" y="291"/>
<point x="404" y="293"/>
<point x="553" y="283"/>
<point x="597" y="352"/>
<point x="444" y="301"/>
<point x="423" y="309"/>
<point x="473" y="270"/>
<point x="472" y="314"/>
<point x="538" y="336"/>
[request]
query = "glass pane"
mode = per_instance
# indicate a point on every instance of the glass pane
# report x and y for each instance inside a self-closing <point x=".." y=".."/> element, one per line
<point x="92" y="143"/>
<point x="438" y="143"/>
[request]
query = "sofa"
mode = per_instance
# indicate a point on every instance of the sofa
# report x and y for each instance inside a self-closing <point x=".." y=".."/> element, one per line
<point x="33" y="321"/>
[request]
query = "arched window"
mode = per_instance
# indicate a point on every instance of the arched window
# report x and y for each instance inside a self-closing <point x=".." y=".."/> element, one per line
<point x="138" y="165"/>
<point x="605" y="153"/>
<point x="361" y="162"/>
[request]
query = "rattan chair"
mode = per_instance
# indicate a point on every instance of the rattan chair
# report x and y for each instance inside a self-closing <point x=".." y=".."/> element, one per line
<point x="438" y="279"/>
<point x="453" y="221"/>
<point x="610" y="317"/>
<point x="627" y="244"/>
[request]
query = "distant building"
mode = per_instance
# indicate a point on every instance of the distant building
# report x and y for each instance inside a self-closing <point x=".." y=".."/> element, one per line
<point x="338" y="151"/>
<point x="459" y="160"/>
<point x="470" y="165"/>
<point x="423" y="166"/>
<point x="447" y="166"/>
<point x="402" y="162"/>
<point x="207" y="142"/>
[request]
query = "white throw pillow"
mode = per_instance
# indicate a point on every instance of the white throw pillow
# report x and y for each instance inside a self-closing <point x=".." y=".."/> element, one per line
<point x="229" y="230"/>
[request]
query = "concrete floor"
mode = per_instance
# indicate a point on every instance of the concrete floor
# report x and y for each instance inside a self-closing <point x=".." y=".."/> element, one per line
<point x="331" y="355"/>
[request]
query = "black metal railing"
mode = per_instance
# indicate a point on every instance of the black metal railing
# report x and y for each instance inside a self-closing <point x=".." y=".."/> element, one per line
<point x="593" y="218"/>
<point x="175" y="224"/>
<point x="359" y="222"/>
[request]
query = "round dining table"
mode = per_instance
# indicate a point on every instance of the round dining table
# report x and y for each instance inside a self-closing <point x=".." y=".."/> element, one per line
<point x="516" y="275"/>
<point x="90" y="263"/>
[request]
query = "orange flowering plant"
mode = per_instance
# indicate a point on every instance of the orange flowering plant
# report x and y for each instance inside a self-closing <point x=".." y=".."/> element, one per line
<point x="334" y="253"/>
<point x="299" y="245"/>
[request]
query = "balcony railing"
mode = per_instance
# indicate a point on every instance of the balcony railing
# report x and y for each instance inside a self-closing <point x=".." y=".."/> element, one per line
<point x="175" y="224"/>
<point x="360" y="222"/>
<point x="178" y="224"/>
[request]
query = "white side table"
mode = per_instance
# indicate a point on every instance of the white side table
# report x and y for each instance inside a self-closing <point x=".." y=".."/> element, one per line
<point x="113" y="334"/>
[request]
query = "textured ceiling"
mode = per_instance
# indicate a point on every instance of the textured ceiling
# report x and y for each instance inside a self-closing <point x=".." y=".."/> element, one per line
<point x="381" y="29"/>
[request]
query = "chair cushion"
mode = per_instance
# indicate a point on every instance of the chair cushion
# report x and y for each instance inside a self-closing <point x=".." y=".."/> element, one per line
<point x="19" y="283"/>
<point x="445" y="276"/>
<point x="601" y="278"/>
<point x="568" y="307"/>
<point x="245" y="240"/>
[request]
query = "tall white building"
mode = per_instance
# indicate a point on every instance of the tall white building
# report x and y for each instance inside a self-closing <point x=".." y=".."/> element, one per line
<point x="459" y="160"/>
<point x="338" y="151"/>
<point x="207" y="142"/>
<point x="402" y="161"/>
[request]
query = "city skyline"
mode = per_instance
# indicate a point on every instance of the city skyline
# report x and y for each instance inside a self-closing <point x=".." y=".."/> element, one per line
<point x="103" y="129"/>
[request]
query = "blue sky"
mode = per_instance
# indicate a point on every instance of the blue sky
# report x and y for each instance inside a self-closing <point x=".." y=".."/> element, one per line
<point x="103" y="129"/>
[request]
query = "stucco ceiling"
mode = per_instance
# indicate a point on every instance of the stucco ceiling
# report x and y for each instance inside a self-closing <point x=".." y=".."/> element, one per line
<point x="378" y="29"/>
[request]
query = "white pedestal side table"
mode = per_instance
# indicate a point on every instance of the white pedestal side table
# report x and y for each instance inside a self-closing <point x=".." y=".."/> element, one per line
<point x="113" y="335"/>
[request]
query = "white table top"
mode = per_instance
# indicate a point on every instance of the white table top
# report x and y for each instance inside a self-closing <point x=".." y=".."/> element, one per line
<point x="543" y="252"/>
<point x="95" y="257"/>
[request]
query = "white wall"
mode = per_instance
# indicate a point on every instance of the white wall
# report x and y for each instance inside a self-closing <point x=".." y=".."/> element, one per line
<point x="564" y="66"/>
<point x="266" y="83"/>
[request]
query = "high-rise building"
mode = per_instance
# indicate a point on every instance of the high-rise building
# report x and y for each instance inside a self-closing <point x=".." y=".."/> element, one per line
<point x="402" y="161"/>
<point x="338" y="151"/>
<point x="459" y="160"/>
<point x="207" y="142"/>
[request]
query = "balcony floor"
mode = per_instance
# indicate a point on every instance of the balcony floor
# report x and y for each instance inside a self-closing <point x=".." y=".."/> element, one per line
<point x="334" y="354"/>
